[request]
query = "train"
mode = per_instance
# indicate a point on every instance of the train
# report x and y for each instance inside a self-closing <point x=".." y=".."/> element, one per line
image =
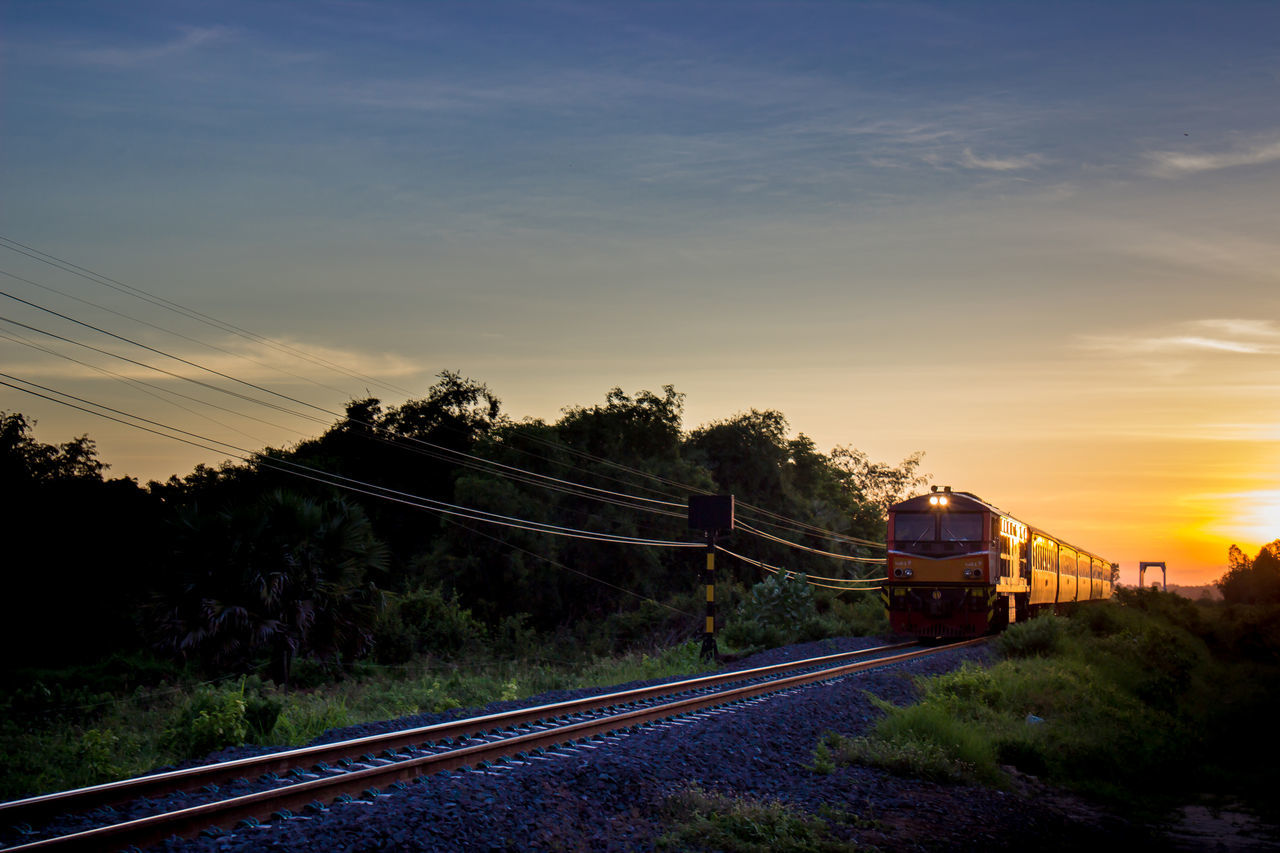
<point x="960" y="567"/>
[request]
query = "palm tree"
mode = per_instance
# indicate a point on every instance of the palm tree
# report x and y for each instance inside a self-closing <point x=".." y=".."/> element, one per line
<point x="284" y="576"/>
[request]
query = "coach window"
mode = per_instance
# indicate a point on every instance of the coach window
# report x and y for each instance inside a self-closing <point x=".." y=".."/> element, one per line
<point x="913" y="527"/>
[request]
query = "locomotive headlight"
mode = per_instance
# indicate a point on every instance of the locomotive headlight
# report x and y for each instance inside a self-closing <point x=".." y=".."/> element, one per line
<point x="942" y="500"/>
<point x="906" y="573"/>
<point x="933" y="500"/>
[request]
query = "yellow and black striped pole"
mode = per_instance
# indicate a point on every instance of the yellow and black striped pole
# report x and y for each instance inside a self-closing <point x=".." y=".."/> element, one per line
<point x="712" y="514"/>
<point x="709" y="650"/>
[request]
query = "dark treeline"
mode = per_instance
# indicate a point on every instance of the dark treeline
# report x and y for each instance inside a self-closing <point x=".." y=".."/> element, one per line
<point x="1252" y="580"/>
<point x="251" y="565"/>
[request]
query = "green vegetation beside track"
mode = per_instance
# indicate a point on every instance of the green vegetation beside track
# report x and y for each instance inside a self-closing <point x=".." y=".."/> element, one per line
<point x="1144" y="702"/>
<point x="130" y="714"/>
<point x="57" y="737"/>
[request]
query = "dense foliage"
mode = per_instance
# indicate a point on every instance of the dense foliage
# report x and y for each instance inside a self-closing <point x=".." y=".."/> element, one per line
<point x="246" y="567"/>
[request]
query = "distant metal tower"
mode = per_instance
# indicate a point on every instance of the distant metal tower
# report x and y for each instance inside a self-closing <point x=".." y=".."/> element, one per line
<point x="1164" y="576"/>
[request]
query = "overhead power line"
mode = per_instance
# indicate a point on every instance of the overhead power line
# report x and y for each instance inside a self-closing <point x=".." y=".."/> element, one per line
<point x="150" y="388"/>
<point x="799" y="547"/>
<point x="791" y="573"/>
<point x="152" y="367"/>
<point x="419" y="441"/>
<point x="336" y="480"/>
<point x="169" y="331"/>
<point x="512" y="472"/>
<point x="190" y="313"/>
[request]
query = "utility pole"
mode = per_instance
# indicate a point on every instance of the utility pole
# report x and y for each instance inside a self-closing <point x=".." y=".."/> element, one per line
<point x="712" y="514"/>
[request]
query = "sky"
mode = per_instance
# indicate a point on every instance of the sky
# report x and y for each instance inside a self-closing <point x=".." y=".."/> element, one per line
<point x="1036" y="242"/>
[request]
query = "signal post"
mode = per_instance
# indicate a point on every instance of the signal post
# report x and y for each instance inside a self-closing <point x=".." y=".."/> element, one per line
<point x="713" y="515"/>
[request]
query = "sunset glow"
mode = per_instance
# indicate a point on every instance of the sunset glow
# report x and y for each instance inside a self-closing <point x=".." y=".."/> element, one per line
<point x="1035" y="241"/>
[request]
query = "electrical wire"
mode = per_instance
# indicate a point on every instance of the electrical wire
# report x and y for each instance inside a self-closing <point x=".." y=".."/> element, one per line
<point x="803" y="527"/>
<point x="44" y="257"/>
<point x="441" y="452"/>
<point x="150" y="388"/>
<point x="560" y="565"/>
<point x="347" y="483"/>
<point x="177" y="308"/>
<point x="170" y="373"/>
<point x="798" y="546"/>
<point x="789" y="573"/>
<point x="372" y="426"/>
<point x="168" y="331"/>
<point x="177" y="358"/>
<point x="104" y="280"/>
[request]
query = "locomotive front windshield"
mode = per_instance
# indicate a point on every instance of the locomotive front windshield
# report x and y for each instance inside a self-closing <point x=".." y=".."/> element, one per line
<point x="960" y="526"/>
<point x="911" y="528"/>
<point x="919" y="528"/>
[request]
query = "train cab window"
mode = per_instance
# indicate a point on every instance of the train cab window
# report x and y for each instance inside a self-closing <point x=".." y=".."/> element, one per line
<point x="960" y="526"/>
<point x="913" y="527"/>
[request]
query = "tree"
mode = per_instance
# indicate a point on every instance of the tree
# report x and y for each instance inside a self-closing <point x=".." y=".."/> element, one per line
<point x="79" y="549"/>
<point x="283" y="577"/>
<point x="879" y="483"/>
<point x="748" y="456"/>
<point x="503" y="573"/>
<point x="24" y="458"/>
<point x="1255" y="581"/>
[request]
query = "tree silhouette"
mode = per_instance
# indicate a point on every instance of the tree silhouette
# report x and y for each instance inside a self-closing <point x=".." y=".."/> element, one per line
<point x="78" y="550"/>
<point x="1255" y="581"/>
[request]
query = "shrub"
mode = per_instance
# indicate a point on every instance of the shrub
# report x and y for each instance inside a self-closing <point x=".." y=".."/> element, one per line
<point x="865" y="616"/>
<point x="424" y="621"/>
<point x="210" y="719"/>
<point x="1040" y="637"/>
<point x="514" y="637"/>
<point x="779" y="610"/>
<point x="97" y="749"/>
<point x="311" y="672"/>
<point x="1158" y="661"/>
<point x="1178" y="611"/>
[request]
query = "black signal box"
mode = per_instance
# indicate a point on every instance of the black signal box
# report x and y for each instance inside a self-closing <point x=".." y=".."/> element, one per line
<point x="711" y="512"/>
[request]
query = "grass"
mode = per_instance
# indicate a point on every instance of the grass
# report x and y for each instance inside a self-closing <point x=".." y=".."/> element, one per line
<point x="57" y="737"/>
<point x="701" y="820"/>
<point x="1128" y="702"/>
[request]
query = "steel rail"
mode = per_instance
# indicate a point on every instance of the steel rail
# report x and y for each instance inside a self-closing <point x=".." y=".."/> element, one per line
<point x="38" y="808"/>
<point x="185" y="822"/>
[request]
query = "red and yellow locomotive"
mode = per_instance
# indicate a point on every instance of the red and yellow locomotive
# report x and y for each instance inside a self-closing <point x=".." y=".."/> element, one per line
<point x="960" y="567"/>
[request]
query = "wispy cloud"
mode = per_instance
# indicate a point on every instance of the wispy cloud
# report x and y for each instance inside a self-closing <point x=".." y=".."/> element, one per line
<point x="1245" y="337"/>
<point x="187" y="40"/>
<point x="1174" y="164"/>
<point x="1000" y="164"/>
<point x="252" y="362"/>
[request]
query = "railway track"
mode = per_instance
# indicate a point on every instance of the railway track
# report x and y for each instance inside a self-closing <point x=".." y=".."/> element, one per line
<point x="306" y="780"/>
